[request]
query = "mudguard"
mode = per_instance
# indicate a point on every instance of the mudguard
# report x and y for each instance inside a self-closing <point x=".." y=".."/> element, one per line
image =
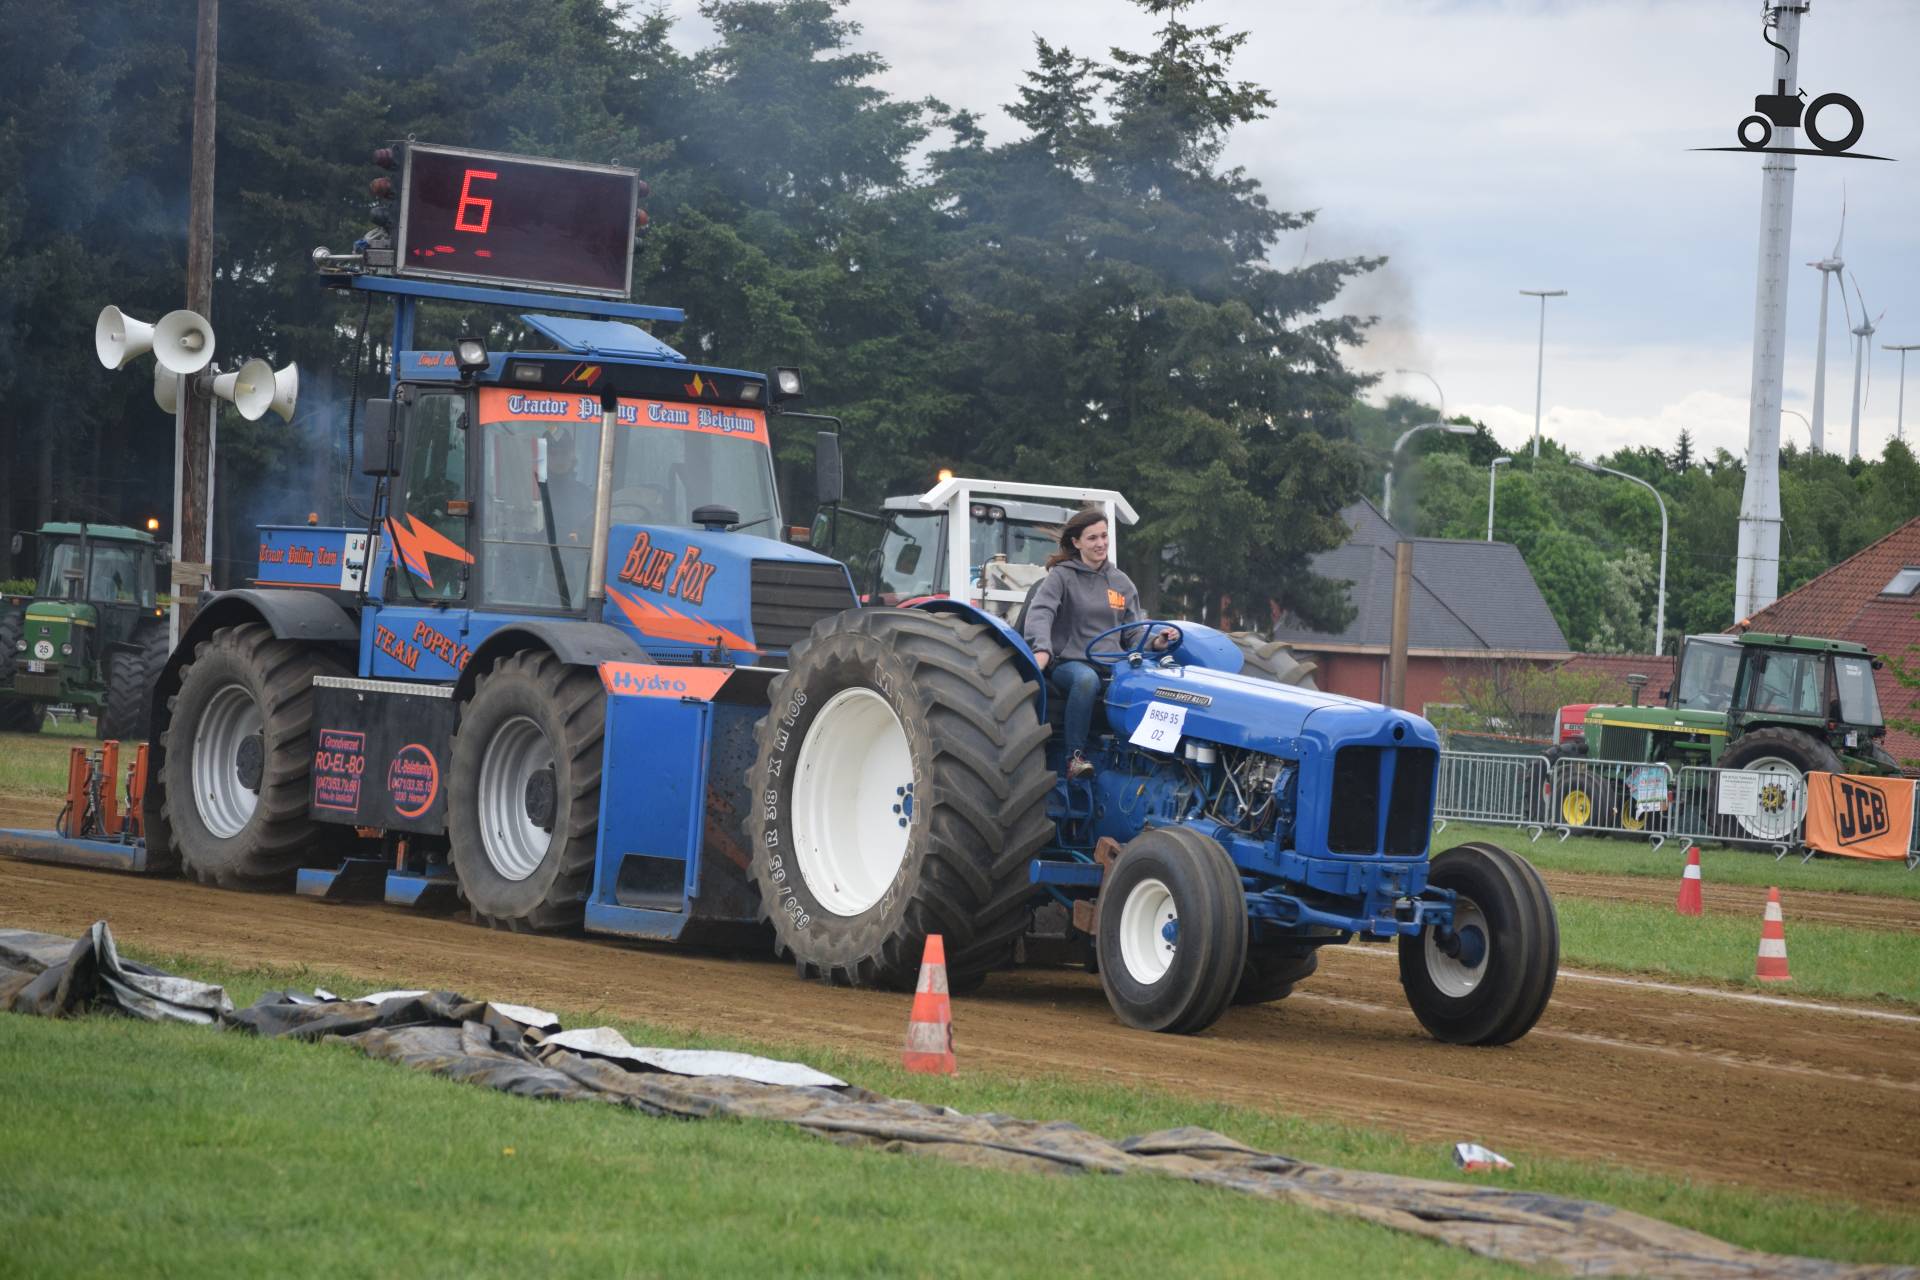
<point x="578" y="644"/>
<point x="1022" y="652"/>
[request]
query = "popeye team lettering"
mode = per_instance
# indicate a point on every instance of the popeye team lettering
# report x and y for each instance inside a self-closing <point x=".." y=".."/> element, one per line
<point x="426" y="638"/>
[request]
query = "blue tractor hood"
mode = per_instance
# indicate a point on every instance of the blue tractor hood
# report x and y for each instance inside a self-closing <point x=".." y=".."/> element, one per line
<point x="1235" y="710"/>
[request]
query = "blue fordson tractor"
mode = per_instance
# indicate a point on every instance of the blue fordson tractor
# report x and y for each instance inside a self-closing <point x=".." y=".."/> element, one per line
<point x="574" y="673"/>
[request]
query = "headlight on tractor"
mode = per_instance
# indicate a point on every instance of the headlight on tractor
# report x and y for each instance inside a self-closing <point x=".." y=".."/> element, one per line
<point x="66" y="651"/>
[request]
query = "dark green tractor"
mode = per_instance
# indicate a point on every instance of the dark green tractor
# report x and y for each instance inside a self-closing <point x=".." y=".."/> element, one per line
<point x="93" y="634"/>
<point x="1776" y="705"/>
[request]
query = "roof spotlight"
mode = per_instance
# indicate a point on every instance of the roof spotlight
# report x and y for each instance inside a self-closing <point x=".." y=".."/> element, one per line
<point x="470" y="354"/>
<point x="787" y="384"/>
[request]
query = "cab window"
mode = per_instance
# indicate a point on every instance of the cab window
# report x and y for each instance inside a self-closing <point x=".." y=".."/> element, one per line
<point x="1787" y="684"/>
<point x="431" y="552"/>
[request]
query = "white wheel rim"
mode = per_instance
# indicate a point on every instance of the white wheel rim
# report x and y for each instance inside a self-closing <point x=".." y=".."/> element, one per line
<point x="1149" y="932"/>
<point x="515" y="844"/>
<point x="1783" y="799"/>
<point x="225" y="804"/>
<point x="1453" y="978"/>
<point x="853" y="802"/>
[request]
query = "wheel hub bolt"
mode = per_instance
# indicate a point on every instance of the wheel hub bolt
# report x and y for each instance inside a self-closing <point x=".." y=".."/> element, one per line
<point x="250" y="762"/>
<point x="542" y="799"/>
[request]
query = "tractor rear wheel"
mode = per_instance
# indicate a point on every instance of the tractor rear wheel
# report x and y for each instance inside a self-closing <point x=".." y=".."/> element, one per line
<point x="240" y="756"/>
<point x="17" y="715"/>
<point x="131" y="674"/>
<point x="1173" y="931"/>
<point x="1491" y="981"/>
<point x="900" y="791"/>
<point x="1783" y="758"/>
<point x="1271" y="973"/>
<point x="523" y="792"/>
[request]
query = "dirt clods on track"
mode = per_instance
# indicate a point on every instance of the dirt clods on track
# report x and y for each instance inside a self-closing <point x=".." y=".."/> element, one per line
<point x="1689" y="1084"/>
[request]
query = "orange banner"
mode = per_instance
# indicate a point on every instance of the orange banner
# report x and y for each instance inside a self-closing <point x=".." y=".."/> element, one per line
<point x="1859" y="817"/>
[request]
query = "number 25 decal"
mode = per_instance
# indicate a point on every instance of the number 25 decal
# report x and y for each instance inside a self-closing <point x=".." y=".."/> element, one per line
<point x="470" y="201"/>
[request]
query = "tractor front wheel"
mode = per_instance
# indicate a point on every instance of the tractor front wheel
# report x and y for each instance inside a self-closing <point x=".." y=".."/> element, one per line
<point x="240" y="758"/>
<point x="900" y="791"/>
<point x="1488" y="980"/>
<point x="17" y="715"/>
<point x="523" y="792"/>
<point x="1173" y="931"/>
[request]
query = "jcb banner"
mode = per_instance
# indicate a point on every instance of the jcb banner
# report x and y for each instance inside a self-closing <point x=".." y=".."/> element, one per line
<point x="1859" y="817"/>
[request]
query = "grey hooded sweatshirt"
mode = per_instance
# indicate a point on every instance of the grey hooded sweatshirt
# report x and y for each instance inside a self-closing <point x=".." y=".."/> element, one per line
<point x="1075" y="603"/>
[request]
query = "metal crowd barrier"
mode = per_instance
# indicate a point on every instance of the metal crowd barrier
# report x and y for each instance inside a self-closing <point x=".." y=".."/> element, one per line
<point x="1650" y="801"/>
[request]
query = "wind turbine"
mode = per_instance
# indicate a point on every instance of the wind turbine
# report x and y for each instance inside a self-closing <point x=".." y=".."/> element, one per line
<point x="1829" y="266"/>
<point x="1864" y="333"/>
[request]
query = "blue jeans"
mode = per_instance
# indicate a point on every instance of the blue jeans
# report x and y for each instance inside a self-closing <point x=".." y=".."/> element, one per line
<point x="1080" y="682"/>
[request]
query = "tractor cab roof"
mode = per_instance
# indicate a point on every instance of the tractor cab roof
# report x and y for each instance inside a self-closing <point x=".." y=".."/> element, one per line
<point x="102" y="532"/>
<point x="607" y="357"/>
<point x="1809" y="644"/>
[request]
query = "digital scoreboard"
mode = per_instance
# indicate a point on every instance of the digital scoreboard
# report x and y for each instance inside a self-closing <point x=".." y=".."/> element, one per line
<point x="487" y="218"/>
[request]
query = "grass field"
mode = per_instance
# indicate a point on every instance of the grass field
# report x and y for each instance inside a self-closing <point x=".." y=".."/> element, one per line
<point x="136" y="1149"/>
<point x="1731" y="864"/>
<point x="1826" y="960"/>
<point x="35" y="764"/>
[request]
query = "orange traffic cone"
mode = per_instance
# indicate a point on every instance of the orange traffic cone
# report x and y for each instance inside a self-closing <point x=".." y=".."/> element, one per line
<point x="1772" y="964"/>
<point x="930" y="1029"/>
<point x="1688" y="904"/>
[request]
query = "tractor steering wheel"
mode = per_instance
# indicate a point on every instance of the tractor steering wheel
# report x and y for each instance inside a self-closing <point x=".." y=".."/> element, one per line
<point x="1148" y="630"/>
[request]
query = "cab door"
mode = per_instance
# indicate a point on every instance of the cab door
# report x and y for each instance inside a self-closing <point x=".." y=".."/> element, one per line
<point x="420" y="628"/>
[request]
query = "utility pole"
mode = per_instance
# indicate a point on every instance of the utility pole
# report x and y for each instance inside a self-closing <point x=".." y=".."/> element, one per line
<point x="1900" y="415"/>
<point x="1757" y="577"/>
<point x="193" y="435"/>
<point x="1540" y="360"/>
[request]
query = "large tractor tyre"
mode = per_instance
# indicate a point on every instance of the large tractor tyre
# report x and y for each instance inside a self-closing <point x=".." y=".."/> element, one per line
<point x="523" y="793"/>
<point x="1780" y="751"/>
<point x="1173" y="931"/>
<point x="131" y="674"/>
<point x="1271" y="973"/>
<point x="1272" y="660"/>
<point x="1491" y="983"/>
<point x="17" y="715"/>
<point x="900" y="791"/>
<point x="240" y="757"/>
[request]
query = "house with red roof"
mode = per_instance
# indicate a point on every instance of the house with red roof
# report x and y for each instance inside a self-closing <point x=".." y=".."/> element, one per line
<point x="1873" y="599"/>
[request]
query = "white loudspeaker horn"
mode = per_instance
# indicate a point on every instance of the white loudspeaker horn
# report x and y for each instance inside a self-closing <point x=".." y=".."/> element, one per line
<point x="166" y="387"/>
<point x="118" y="337"/>
<point x="183" y="341"/>
<point x="286" y="391"/>
<point x="255" y="388"/>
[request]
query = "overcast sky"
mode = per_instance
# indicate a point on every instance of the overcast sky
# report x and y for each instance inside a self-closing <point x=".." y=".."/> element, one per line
<point x="1490" y="146"/>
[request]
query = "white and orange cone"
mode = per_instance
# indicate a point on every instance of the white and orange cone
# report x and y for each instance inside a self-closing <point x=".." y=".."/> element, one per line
<point x="929" y="1046"/>
<point x="1772" y="964"/>
<point x="1688" y="903"/>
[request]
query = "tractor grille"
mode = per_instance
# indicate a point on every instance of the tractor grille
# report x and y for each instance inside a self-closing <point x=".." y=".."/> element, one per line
<point x="789" y="598"/>
<point x="1354" y="823"/>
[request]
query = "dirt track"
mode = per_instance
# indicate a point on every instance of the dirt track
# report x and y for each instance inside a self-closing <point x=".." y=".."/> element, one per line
<point x="1747" y="901"/>
<point x="1692" y="1085"/>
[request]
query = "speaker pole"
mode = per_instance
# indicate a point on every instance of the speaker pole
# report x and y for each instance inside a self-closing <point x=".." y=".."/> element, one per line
<point x="193" y="529"/>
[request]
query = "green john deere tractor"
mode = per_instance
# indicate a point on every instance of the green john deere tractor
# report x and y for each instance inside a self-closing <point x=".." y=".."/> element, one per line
<point x="92" y="635"/>
<point x="1780" y="706"/>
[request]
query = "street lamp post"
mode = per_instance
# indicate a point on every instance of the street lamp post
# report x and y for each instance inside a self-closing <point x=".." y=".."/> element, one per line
<point x="1442" y="415"/>
<point x="1803" y="417"/>
<point x="1540" y="363"/>
<point x="1451" y="428"/>
<point x="1493" y="469"/>
<point x="1900" y="421"/>
<point x="1660" y="614"/>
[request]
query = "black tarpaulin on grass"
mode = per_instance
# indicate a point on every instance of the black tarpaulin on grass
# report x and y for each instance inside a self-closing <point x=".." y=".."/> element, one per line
<point x="482" y="1043"/>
